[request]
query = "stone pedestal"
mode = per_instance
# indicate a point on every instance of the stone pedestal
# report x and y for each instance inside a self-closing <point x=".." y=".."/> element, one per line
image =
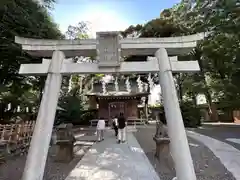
<point x="163" y="152"/>
<point x="162" y="146"/>
<point x="64" y="151"/>
<point x="65" y="143"/>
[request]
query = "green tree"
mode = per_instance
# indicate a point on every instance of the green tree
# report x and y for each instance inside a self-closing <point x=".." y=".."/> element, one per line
<point x="72" y="108"/>
<point x="78" y="32"/>
<point x="218" y="53"/>
<point x="24" y="18"/>
<point x="81" y="82"/>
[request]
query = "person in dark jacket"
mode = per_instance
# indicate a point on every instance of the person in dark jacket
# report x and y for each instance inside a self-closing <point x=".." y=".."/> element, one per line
<point x="121" y="128"/>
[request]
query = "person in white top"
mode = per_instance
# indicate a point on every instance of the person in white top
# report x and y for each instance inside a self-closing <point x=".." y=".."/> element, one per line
<point x="100" y="129"/>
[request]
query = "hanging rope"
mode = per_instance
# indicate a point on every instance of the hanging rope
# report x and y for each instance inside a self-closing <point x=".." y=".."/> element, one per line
<point x="128" y="85"/>
<point x="116" y="84"/>
<point x="140" y="84"/>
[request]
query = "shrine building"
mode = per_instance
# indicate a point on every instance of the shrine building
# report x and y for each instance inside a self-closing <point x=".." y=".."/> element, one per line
<point x="126" y="96"/>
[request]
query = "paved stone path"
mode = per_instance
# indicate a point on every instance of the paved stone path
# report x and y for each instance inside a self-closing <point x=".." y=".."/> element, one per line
<point x="108" y="160"/>
<point x="228" y="155"/>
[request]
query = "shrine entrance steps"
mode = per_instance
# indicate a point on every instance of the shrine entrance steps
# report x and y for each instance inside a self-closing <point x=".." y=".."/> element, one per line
<point x="108" y="160"/>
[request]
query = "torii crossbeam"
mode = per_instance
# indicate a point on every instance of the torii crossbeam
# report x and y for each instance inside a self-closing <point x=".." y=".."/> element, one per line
<point x="108" y="49"/>
<point x="150" y="66"/>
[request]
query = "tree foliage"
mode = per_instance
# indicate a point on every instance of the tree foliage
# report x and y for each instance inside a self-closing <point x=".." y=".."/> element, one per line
<point x="72" y="108"/>
<point x="24" y="18"/>
<point x="78" y="32"/>
<point x="217" y="54"/>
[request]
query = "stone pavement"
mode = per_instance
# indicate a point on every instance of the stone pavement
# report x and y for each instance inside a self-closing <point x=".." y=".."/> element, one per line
<point x="108" y="160"/>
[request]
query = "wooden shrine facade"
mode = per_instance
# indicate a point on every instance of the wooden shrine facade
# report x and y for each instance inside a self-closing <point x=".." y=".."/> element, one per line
<point x="110" y="106"/>
<point x="112" y="102"/>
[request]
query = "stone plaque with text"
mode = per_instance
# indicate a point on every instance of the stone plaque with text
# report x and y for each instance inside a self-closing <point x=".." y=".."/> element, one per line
<point x="108" y="49"/>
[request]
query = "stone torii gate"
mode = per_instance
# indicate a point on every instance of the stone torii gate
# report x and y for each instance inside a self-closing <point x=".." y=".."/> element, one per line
<point x="109" y="48"/>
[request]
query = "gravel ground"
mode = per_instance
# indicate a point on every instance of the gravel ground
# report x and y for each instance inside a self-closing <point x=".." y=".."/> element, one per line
<point x="207" y="165"/>
<point x="13" y="168"/>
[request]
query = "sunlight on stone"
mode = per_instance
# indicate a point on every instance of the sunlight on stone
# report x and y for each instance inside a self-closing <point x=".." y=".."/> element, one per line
<point x="84" y="143"/>
<point x="92" y="150"/>
<point x="80" y="152"/>
<point x="108" y="162"/>
<point x="79" y="135"/>
<point x="234" y="140"/>
<point x="110" y="158"/>
<point x="118" y="150"/>
<point x="134" y="149"/>
<point x="201" y="127"/>
<point x="194" y="145"/>
<point x="111" y="155"/>
<point x="83" y="171"/>
<point x="105" y="162"/>
<point x="105" y="174"/>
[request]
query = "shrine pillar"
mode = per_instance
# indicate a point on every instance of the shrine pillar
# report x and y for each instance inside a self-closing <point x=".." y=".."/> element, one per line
<point x="178" y="139"/>
<point x="38" y="150"/>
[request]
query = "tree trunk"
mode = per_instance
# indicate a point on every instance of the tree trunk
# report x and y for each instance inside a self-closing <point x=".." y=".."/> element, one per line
<point x="212" y="110"/>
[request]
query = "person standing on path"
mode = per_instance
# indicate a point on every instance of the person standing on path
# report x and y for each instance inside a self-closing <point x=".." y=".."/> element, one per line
<point x="121" y="128"/>
<point x="115" y="125"/>
<point x="100" y="129"/>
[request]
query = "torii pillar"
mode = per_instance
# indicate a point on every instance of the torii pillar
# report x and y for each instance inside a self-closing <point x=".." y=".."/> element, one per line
<point x="178" y="139"/>
<point x="37" y="155"/>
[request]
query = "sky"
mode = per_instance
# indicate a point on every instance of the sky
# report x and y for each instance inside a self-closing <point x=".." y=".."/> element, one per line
<point x="109" y="15"/>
